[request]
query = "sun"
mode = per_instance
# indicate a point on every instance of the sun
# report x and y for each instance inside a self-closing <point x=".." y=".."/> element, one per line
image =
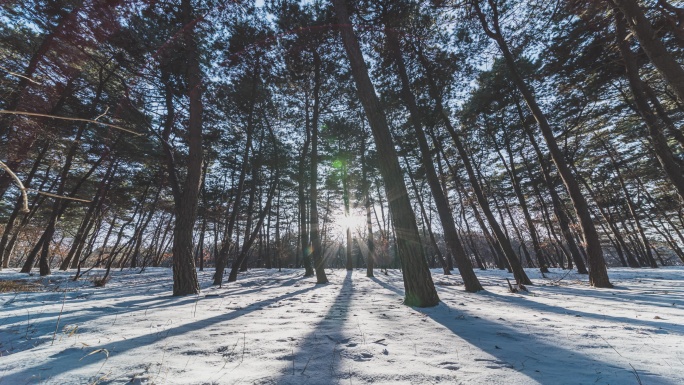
<point x="350" y="221"/>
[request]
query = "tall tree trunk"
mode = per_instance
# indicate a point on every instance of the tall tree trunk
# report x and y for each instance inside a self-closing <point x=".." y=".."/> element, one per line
<point x="317" y="247"/>
<point x="655" y="129"/>
<point x="186" y="200"/>
<point x="60" y="205"/>
<point x="301" y="195"/>
<point x="346" y="200"/>
<point x="465" y="266"/>
<point x="443" y="176"/>
<point x="503" y="241"/>
<point x="551" y="234"/>
<point x="9" y="226"/>
<point x="222" y="257"/>
<point x="370" y="259"/>
<point x="58" y="208"/>
<point x="251" y="237"/>
<point x="203" y="228"/>
<point x="630" y="204"/>
<point x="611" y="225"/>
<point x="495" y="248"/>
<point x="88" y="219"/>
<point x="278" y="242"/>
<point x="598" y="275"/>
<point x="648" y="38"/>
<point x="103" y="248"/>
<point x="558" y="210"/>
<point x="501" y="238"/>
<point x="515" y="181"/>
<point x="251" y="201"/>
<point x="418" y="284"/>
<point x="426" y="221"/>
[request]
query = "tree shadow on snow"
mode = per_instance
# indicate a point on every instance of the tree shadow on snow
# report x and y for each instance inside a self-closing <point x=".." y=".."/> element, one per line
<point x="319" y="357"/>
<point x="82" y="306"/>
<point x="515" y="347"/>
<point x="73" y="358"/>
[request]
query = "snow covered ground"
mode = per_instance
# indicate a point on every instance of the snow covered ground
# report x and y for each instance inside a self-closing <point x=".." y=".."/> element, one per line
<point x="280" y="328"/>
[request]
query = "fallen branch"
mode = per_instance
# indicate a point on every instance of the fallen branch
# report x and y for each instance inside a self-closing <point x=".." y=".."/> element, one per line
<point x="102" y="114"/>
<point x="24" y="198"/>
<point x="19" y="75"/>
<point x="68" y="118"/>
<point x="47" y="194"/>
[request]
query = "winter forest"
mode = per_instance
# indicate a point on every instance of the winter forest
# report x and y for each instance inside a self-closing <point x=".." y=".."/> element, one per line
<point x="341" y="192"/>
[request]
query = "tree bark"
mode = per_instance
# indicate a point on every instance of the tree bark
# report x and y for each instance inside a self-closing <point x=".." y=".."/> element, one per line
<point x="598" y="275"/>
<point x="186" y="200"/>
<point x="558" y="210"/>
<point x="648" y="38"/>
<point x="426" y="222"/>
<point x="511" y="170"/>
<point x="370" y="259"/>
<point x="317" y="247"/>
<point x="630" y="204"/>
<point x="419" y="287"/>
<point x="655" y="129"/>
<point x="9" y="226"/>
<point x="465" y="266"/>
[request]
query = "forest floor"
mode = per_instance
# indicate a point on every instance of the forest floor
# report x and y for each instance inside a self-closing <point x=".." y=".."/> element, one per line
<point x="274" y="327"/>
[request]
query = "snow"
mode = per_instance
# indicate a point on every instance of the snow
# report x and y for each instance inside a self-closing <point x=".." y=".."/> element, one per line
<point x="274" y="327"/>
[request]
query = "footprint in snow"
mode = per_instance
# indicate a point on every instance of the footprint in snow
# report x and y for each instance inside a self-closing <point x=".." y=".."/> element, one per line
<point x="495" y="364"/>
<point x="363" y="356"/>
<point x="449" y="365"/>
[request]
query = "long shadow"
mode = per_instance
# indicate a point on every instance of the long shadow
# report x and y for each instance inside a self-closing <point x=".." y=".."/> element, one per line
<point x="83" y="294"/>
<point x="75" y="314"/>
<point x="320" y="346"/>
<point x="539" y="360"/>
<point x="388" y="286"/>
<point x="151" y="298"/>
<point x="543" y="307"/>
<point x="24" y="326"/>
<point x="608" y="295"/>
<point x="672" y="298"/>
<point x="289" y="282"/>
<point x="72" y="358"/>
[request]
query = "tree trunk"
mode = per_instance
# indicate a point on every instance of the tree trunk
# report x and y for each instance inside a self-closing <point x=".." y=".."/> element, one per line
<point x="419" y="287"/>
<point x="305" y="251"/>
<point x="88" y="220"/>
<point x="346" y="200"/>
<point x="510" y="169"/>
<point x="370" y="259"/>
<point x="598" y="275"/>
<point x="465" y="266"/>
<point x="630" y="204"/>
<point x="648" y="38"/>
<point x="186" y="200"/>
<point x="317" y="248"/>
<point x="9" y="226"/>
<point x="426" y="222"/>
<point x="58" y="208"/>
<point x="250" y="238"/>
<point x="558" y="210"/>
<point x="655" y="129"/>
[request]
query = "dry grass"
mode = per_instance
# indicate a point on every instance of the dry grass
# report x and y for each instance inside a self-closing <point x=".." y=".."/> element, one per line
<point x="100" y="281"/>
<point x="19" y="285"/>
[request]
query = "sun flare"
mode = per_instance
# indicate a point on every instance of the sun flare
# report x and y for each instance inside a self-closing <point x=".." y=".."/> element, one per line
<point x="350" y="221"/>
